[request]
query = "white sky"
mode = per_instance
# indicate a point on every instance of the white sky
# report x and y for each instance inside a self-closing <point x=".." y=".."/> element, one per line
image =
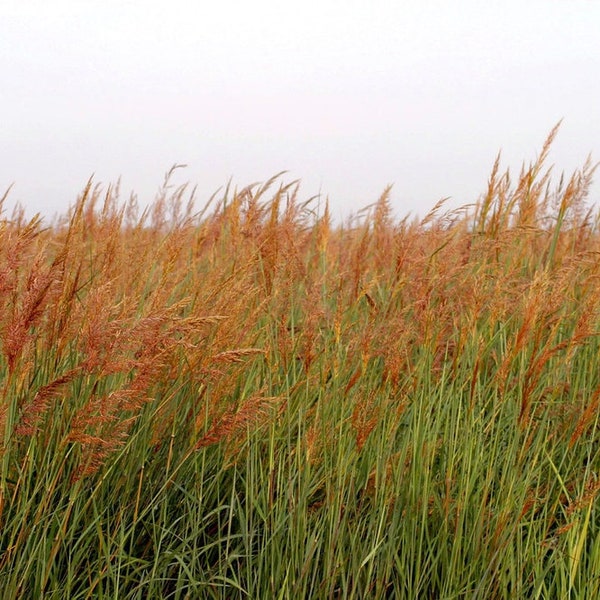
<point x="347" y="95"/>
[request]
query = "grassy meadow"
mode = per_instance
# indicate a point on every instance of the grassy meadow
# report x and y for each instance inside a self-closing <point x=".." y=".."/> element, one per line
<point x="254" y="402"/>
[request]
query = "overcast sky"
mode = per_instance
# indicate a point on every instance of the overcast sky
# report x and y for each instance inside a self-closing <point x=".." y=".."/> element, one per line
<point x="348" y="96"/>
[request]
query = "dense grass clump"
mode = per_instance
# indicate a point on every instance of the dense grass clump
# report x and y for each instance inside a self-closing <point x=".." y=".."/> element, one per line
<point x="251" y="402"/>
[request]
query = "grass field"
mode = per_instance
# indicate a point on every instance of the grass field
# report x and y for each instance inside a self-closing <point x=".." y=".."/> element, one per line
<point x="253" y="402"/>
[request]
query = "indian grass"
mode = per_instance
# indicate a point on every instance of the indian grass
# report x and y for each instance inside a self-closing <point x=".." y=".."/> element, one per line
<point x="253" y="402"/>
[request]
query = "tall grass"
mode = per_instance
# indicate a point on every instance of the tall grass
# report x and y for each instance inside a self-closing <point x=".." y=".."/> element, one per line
<point x="253" y="402"/>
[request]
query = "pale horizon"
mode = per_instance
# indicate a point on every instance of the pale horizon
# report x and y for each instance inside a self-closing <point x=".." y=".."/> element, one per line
<point x="347" y="97"/>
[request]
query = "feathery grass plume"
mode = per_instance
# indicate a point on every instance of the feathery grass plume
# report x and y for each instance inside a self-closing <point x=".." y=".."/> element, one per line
<point x="311" y="334"/>
<point x="236" y="356"/>
<point x="588" y="417"/>
<point x="140" y="354"/>
<point x="361" y="237"/>
<point x="323" y="233"/>
<point x="24" y="293"/>
<point x="269" y="242"/>
<point x="531" y="196"/>
<point x="252" y="412"/>
<point x="382" y="231"/>
<point x="33" y="410"/>
<point x="490" y="205"/>
<point x="365" y="417"/>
